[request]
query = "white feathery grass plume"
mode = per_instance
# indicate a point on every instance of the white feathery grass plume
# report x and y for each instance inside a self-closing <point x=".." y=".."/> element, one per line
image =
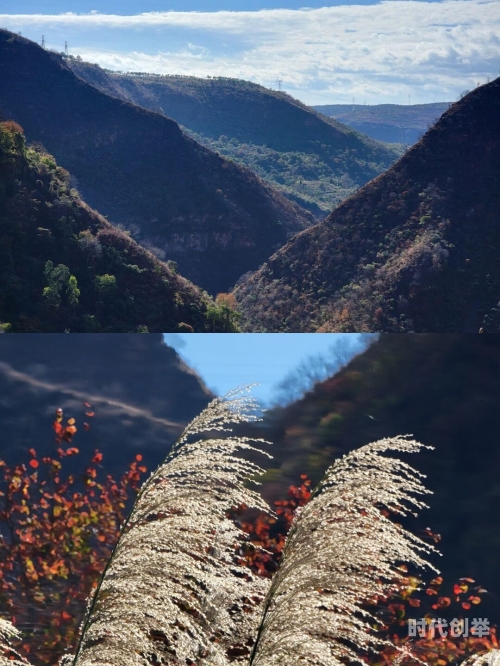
<point x="8" y="631"/>
<point x="491" y="658"/>
<point x="340" y="553"/>
<point x="172" y="592"/>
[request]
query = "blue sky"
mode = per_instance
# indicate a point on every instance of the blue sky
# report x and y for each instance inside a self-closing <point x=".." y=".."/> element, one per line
<point x="373" y="51"/>
<point x="228" y="360"/>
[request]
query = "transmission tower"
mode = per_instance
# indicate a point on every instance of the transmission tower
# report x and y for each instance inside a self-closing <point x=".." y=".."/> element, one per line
<point x="279" y="82"/>
<point x="66" y="48"/>
<point x="43" y="41"/>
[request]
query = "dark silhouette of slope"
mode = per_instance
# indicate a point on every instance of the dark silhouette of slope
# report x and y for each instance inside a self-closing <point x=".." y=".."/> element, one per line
<point x="394" y="123"/>
<point x="445" y="391"/>
<point x="214" y="218"/>
<point x="141" y="392"/>
<point x="63" y="267"/>
<point x="417" y="249"/>
<point x="313" y="159"/>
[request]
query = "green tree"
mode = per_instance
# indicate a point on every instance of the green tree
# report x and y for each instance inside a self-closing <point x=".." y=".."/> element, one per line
<point x="72" y="291"/>
<point x="105" y="284"/>
<point x="56" y="277"/>
<point x="222" y="316"/>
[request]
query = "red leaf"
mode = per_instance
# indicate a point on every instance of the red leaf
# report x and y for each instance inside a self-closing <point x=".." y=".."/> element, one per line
<point x="33" y="453"/>
<point x="466" y="605"/>
<point x="87" y="404"/>
<point x="138" y="457"/>
<point x="97" y="458"/>
<point x="86" y="426"/>
<point x="89" y="414"/>
<point x="34" y="463"/>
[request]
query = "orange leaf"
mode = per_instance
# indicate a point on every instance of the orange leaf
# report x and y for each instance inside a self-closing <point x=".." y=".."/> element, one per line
<point x="437" y="581"/>
<point x="66" y="616"/>
<point x="87" y="404"/>
<point x="89" y="414"/>
<point x="414" y="602"/>
<point x="33" y="453"/>
<point x="466" y="605"/>
<point x="97" y="458"/>
<point x="138" y="457"/>
<point x="71" y="422"/>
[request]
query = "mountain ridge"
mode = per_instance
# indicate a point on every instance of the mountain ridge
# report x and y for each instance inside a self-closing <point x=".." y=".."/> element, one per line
<point x="414" y="250"/>
<point x="63" y="267"/>
<point x="394" y="123"/>
<point x="215" y="219"/>
<point x="312" y="159"/>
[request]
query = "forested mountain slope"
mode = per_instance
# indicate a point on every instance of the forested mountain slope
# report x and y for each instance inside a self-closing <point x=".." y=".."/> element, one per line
<point x="445" y="391"/>
<point x="395" y="123"/>
<point x="417" y="249"/>
<point x="313" y="159"/>
<point x="214" y="218"/>
<point x="63" y="267"/>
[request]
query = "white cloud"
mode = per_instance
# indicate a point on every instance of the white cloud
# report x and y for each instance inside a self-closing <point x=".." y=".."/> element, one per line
<point x="376" y="53"/>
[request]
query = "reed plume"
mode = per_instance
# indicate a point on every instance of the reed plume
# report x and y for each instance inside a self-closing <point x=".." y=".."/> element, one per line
<point x="172" y="592"/>
<point x="8" y="655"/>
<point x="342" y="552"/>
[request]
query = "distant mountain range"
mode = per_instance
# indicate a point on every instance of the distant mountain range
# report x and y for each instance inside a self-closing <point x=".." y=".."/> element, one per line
<point x="416" y="249"/>
<point x="63" y="267"/>
<point x="312" y="159"/>
<point x="394" y="123"/>
<point x="216" y="219"/>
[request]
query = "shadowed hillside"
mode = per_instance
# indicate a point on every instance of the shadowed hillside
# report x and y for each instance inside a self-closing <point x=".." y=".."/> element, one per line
<point x="142" y="393"/>
<point x="445" y="391"/>
<point x="214" y="218"/>
<point x="417" y="249"/>
<point x="63" y="267"/>
<point x="394" y="123"/>
<point x="312" y="159"/>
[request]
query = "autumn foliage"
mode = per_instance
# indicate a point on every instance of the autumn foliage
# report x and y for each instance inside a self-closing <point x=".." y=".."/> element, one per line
<point x="58" y="530"/>
<point x="57" y="533"/>
<point x="416" y="598"/>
